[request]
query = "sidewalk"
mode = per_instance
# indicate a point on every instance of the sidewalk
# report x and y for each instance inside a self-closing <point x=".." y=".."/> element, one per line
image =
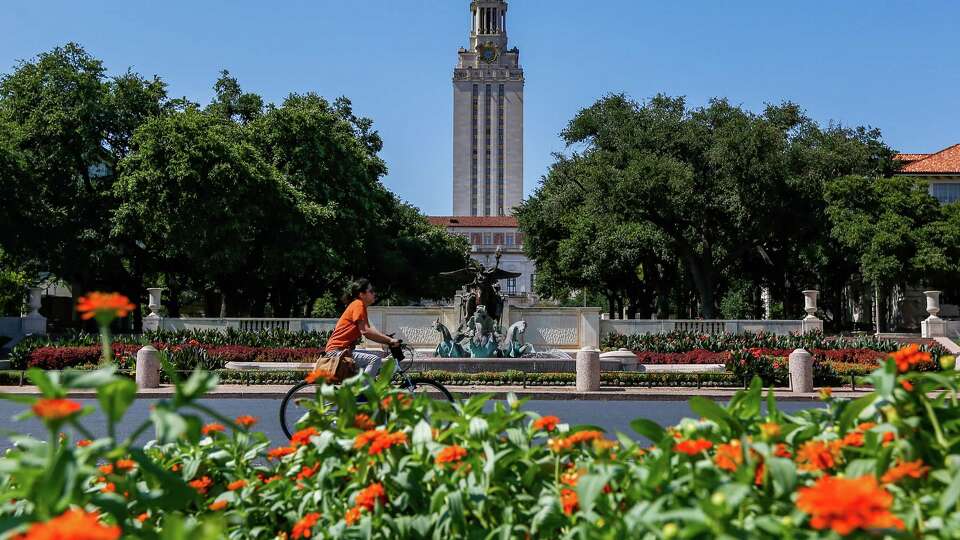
<point x="233" y="391"/>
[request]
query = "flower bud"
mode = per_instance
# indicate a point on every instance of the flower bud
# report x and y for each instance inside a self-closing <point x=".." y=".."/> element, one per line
<point x="948" y="362"/>
<point x="670" y="530"/>
<point x="718" y="499"/>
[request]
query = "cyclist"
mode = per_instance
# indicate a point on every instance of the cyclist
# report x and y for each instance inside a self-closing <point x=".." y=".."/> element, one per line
<point x="353" y="324"/>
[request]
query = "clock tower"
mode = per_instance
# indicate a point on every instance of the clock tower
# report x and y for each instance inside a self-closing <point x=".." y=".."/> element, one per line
<point x="487" y="117"/>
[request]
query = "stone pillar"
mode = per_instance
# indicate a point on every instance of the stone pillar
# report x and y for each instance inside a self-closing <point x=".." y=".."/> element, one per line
<point x="588" y="370"/>
<point x="933" y="326"/>
<point x="148" y="367"/>
<point x="33" y="322"/>
<point x="801" y="371"/>
<point x="810" y="323"/>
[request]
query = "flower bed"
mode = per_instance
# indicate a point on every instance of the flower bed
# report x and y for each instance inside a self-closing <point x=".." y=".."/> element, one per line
<point x="401" y="466"/>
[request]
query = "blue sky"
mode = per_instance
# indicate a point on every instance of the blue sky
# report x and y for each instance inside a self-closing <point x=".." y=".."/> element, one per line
<point x="892" y="65"/>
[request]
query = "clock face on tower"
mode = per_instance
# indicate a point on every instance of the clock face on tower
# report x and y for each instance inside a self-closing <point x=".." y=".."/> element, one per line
<point x="488" y="53"/>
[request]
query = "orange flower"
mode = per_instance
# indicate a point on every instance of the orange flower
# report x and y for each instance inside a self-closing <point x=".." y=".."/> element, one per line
<point x="729" y="456"/>
<point x="106" y="469"/>
<point x="548" y="423"/>
<point x="888" y="437"/>
<point x="866" y="426"/>
<point x="352" y="516"/>
<point x="201" y="484"/>
<point x="319" y="374"/>
<point x="83" y="443"/>
<point x="569" y="501"/>
<point x="302" y="437"/>
<point x="782" y="451"/>
<point x="826" y="393"/>
<point x="584" y="436"/>
<point x="109" y="488"/>
<point x="818" y="455"/>
<point x="385" y="442"/>
<point x="304" y="527"/>
<point x="56" y="409"/>
<point x="367" y="437"/>
<point x="371" y="495"/>
<point x="451" y="454"/>
<point x="854" y="438"/>
<point x="213" y="428"/>
<point x="558" y="444"/>
<point x="175" y="467"/>
<point x="907" y="385"/>
<point x="104" y="306"/>
<point x="909" y="356"/>
<point x="236" y="484"/>
<point x="571" y="478"/>
<point x="364" y="422"/>
<point x="143" y="517"/>
<point x="126" y="464"/>
<point x="847" y="504"/>
<point x="246" y="420"/>
<point x="279" y="452"/>
<point x="307" y="472"/>
<point x="218" y="505"/>
<point x="904" y="469"/>
<point x="76" y="524"/>
<point x="693" y="447"/>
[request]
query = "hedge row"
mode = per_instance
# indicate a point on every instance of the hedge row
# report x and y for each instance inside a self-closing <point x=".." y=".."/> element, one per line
<point x="868" y="357"/>
<point x="679" y="342"/>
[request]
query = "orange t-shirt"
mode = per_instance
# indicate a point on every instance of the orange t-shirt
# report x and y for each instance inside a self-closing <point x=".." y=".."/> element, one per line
<point x="347" y="332"/>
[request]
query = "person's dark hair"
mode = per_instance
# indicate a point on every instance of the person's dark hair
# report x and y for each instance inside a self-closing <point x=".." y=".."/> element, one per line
<point x="359" y="286"/>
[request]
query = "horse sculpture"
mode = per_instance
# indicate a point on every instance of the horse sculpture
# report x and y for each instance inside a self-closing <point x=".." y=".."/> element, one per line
<point x="483" y="342"/>
<point x="448" y="347"/>
<point x="515" y="347"/>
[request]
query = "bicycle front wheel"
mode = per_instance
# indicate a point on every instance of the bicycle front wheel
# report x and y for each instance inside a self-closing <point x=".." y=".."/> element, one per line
<point x="430" y="388"/>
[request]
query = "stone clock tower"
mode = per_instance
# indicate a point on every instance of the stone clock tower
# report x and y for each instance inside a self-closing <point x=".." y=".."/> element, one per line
<point x="487" y="117"/>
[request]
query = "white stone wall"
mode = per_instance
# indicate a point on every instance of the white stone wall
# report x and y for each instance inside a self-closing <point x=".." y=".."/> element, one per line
<point x="647" y="326"/>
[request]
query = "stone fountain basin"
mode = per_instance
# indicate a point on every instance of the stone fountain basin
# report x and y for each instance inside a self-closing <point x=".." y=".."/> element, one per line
<point x="477" y="365"/>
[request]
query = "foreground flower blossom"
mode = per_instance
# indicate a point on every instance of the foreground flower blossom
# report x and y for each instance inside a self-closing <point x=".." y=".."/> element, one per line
<point x="218" y="505"/>
<point x="323" y="375"/>
<point x="905" y="469"/>
<point x="304" y="527"/>
<point x="201" y="484"/>
<point x="277" y="453"/>
<point x="104" y="306"/>
<point x="569" y="501"/>
<point x="126" y="464"/>
<point x="819" y="455"/>
<point x="693" y="447"/>
<point x="909" y="356"/>
<point x="55" y="409"/>
<point x="364" y="422"/>
<point x="451" y="454"/>
<point x="302" y="437"/>
<point x="729" y="456"/>
<point x="371" y="495"/>
<point x="352" y="516"/>
<point x="848" y="504"/>
<point x="213" y="428"/>
<point x="379" y="440"/>
<point x="546" y="423"/>
<point x="74" y="524"/>
<point x="236" y="484"/>
<point x="246" y="420"/>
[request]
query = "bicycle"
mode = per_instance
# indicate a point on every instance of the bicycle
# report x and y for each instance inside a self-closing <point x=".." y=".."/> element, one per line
<point x="290" y="414"/>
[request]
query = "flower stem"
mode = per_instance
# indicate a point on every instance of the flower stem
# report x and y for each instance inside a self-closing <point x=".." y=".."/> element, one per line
<point x="107" y="355"/>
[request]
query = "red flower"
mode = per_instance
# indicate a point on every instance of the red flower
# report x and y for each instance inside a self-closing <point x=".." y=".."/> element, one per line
<point x="693" y="447"/>
<point x="56" y="409"/>
<point x="302" y="437"/>
<point x="307" y="472"/>
<point x="73" y="524"/>
<point x="909" y="356"/>
<point x="451" y="454"/>
<point x="848" y="504"/>
<point x="213" y="428"/>
<point x="907" y="385"/>
<point x="246" y="420"/>
<point x="82" y="443"/>
<point x="371" y="495"/>
<point x="905" y="469"/>
<point x="569" y="501"/>
<point x="304" y="527"/>
<point x="104" y="306"/>
<point x="201" y="485"/>
<point x="236" y="484"/>
<point x="548" y="423"/>
<point x="279" y="452"/>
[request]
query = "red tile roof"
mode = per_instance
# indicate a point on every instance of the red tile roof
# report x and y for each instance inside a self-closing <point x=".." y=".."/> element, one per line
<point x="909" y="157"/>
<point x="946" y="161"/>
<point x="474" y="221"/>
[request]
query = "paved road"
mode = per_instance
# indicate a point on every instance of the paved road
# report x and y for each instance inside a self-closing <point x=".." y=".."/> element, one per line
<point x="611" y="415"/>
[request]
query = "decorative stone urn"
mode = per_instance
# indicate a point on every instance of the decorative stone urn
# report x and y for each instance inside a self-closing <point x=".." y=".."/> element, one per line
<point x="810" y="303"/>
<point x="933" y="326"/>
<point x="154" y="304"/>
<point x="35" y="293"/>
<point x="33" y="322"/>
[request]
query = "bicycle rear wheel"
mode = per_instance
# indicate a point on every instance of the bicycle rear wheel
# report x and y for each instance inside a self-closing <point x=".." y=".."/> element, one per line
<point x="430" y="388"/>
<point x="294" y="406"/>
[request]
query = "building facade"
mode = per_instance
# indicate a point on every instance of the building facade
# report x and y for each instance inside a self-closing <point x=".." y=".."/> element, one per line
<point x="940" y="169"/>
<point x="488" y="233"/>
<point x="487" y="117"/>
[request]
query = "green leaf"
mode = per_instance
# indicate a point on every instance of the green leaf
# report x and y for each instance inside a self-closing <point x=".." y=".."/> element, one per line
<point x="710" y="410"/>
<point x="948" y="500"/>
<point x="478" y="427"/>
<point x="649" y="429"/>
<point x="852" y="411"/>
<point x="422" y="433"/>
<point x="115" y="398"/>
<point x="589" y="488"/>
<point x="784" y="475"/>
<point x="73" y="378"/>
<point x="45" y="383"/>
